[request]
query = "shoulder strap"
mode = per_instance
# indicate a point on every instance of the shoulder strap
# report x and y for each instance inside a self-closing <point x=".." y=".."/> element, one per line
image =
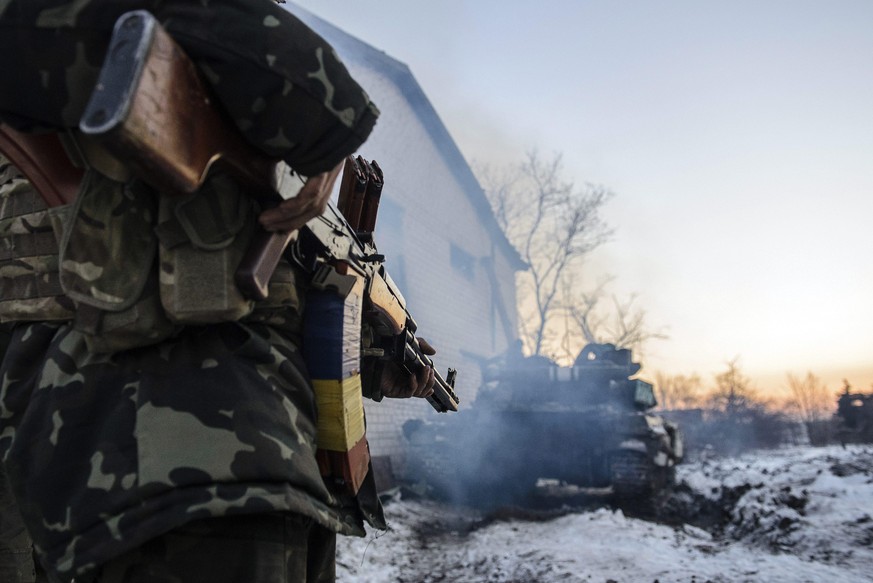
<point x="42" y="159"/>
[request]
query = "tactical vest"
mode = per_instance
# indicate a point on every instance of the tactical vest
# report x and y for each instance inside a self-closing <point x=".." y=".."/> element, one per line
<point x="30" y="287"/>
<point x="130" y="266"/>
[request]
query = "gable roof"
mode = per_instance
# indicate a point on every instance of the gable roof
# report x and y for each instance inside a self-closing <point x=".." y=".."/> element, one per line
<point x="355" y="50"/>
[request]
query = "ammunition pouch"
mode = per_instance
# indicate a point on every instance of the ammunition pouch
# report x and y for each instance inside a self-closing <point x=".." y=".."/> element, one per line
<point x="203" y="237"/>
<point x="107" y="265"/>
<point x="128" y="266"/>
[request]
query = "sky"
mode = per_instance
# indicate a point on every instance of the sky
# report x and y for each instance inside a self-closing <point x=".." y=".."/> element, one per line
<point x="736" y="136"/>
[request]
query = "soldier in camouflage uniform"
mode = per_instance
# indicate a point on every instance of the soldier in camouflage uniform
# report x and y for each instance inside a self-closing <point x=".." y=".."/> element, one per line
<point x="140" y="447"/>
<point x="16" y="549"/>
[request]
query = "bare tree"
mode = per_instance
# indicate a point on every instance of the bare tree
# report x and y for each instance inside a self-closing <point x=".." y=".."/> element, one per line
<point x="554" y="225"/>
<point x="738" y="418"/>
<point x="810" y="397"/>
<point x="679" y="391"/>
<point x="621" y="322"/>
<point x="733" y="392"/>
<point x="814" y="404"/>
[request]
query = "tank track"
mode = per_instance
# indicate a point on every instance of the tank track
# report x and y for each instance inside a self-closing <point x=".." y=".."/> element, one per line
<point x="632" y="475"/>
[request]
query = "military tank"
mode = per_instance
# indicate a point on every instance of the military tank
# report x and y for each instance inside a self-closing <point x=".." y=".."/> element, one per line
<point x="589" y="425"/>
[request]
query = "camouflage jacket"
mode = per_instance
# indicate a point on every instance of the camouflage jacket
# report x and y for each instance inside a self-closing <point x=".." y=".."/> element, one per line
<point x="282" y="84"/>
<point x="106" y="451"/>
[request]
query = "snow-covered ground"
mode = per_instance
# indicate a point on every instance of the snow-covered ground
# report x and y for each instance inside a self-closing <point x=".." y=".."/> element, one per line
<point x="792" y="515"/>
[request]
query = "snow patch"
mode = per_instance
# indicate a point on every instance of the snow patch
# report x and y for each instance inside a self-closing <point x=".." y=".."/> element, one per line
<point x="799" y="514"/>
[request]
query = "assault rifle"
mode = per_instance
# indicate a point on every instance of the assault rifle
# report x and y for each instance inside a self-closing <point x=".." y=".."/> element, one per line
<point x="151" y="108"/>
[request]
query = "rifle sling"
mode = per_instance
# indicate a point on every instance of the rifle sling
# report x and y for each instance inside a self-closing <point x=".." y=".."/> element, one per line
<point x="55" y="162"/>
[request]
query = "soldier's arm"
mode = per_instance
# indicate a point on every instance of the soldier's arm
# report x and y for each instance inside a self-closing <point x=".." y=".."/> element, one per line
<point x="281" y="83"/>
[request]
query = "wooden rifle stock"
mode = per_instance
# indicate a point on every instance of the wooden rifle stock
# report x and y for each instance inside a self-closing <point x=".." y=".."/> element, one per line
<point x="151" y="108"/>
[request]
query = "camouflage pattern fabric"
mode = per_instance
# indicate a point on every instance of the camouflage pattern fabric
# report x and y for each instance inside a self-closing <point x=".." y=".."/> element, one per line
<point x="30" y="287"/>
<point x="106" y="452"/>
<point x="109" y="220"/>
<point x="281" y="83"/>
<point x="255" y="549"/>
<point x="16" y="549"/>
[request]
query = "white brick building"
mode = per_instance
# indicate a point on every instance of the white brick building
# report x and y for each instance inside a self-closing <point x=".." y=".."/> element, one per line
<point x="443" y="246"/>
